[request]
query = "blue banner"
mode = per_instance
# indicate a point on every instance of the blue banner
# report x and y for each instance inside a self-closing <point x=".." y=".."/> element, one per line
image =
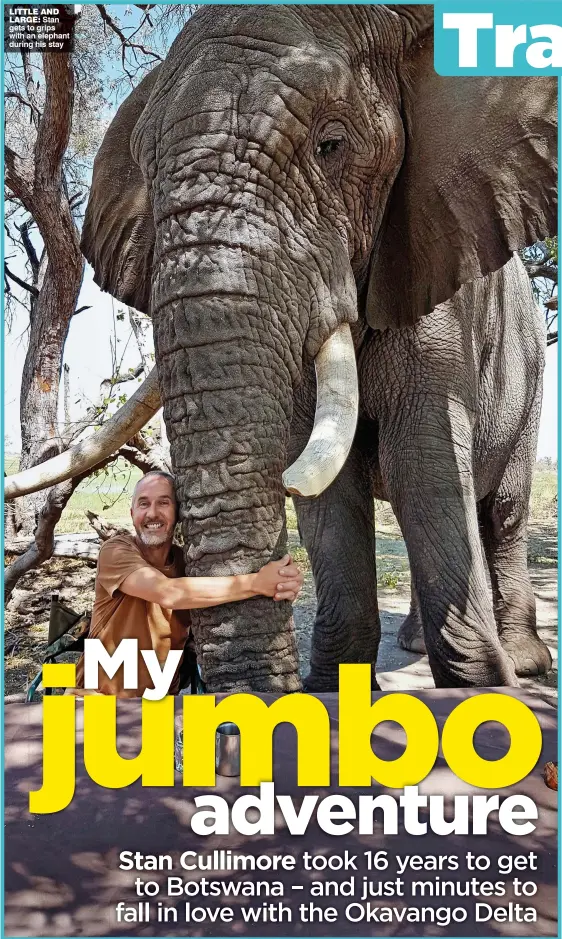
<point x="501" y="38"/>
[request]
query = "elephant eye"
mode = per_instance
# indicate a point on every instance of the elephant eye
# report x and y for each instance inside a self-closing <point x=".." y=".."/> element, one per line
<point x="329" y="147"/>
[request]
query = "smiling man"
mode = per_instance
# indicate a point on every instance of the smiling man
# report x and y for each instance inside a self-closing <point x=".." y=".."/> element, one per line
<point x="141" y="592"/>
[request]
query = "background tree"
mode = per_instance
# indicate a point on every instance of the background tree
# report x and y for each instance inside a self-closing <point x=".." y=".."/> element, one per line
<point x="57" y="107"/>
<point x="38" y="186"/>
<point x="541" y="264"/>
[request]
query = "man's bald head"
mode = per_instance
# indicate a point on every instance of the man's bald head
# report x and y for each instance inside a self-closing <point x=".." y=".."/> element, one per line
<point x="156" y="474"/>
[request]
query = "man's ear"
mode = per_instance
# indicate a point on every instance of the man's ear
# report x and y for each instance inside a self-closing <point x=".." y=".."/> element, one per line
<point x="478" y="181"/>
<point x="118" y="234"/>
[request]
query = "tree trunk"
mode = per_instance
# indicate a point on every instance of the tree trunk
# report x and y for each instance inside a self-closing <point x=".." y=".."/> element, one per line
<point x="66" y="397"/>
<point x="39" y="184"/>
<point x="83" y="546"/>
<point x="42" y="369"/>
<point x="43" y="544"/>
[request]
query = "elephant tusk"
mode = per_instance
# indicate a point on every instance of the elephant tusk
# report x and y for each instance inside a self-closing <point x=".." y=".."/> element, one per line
<point x="335" y="420"/>
<point x="124" y="424"/>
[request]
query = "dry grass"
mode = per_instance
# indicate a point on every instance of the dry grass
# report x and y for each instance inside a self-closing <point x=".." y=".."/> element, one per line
<point x="110" y="495"/>
<point x="544" y="494"/>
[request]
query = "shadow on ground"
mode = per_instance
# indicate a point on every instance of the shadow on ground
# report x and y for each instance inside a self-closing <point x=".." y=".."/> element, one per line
<point x="398" y="670"/>
<point x="27" y="614"/>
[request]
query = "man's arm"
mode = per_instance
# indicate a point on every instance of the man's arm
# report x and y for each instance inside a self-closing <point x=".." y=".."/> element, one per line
<point x="281" y="580"/>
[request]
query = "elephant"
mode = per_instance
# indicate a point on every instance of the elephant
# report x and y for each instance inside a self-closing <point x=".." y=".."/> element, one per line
<point x="447" y="434"/>
<point x="324" y="232"/>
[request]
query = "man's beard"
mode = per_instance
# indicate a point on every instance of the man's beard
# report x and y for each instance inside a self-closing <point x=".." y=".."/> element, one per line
<point x="153" y="539"/>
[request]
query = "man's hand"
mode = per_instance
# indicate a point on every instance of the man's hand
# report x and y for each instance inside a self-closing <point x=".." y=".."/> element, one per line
<point x="281" y="580"/>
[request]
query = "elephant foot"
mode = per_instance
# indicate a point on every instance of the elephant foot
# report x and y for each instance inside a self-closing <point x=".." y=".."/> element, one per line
<point x="410" y="635"/>
<point x="529" y="654"/>
<point x="322" y="684"/>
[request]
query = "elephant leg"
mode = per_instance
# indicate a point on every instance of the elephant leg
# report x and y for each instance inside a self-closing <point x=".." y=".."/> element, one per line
<point x="339" y="534"/>
<point x="426" y="463"/>
<point x="504" y="533"/>
<point x="410" y="635"/>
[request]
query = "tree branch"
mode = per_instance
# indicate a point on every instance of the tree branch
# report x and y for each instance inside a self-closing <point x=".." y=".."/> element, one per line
<point x="94" y="413"/>
<point x="102" y="527"/>
<point x="137" y="321"/>
<point x="27" y="104"/>
<point x="44" y="539"/>
<point x="18" y="178"/>
<point x="547" y="271"/>
<point x="29" y="247"/>
<point x="125" y="42"/>
<point x="21" y="283"/>
<point x="30" y="87"/>
<point x="53" y="132"/>
<point x="145" y="457"/>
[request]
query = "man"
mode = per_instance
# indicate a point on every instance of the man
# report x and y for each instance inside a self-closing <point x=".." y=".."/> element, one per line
<point x="141" y="592"/>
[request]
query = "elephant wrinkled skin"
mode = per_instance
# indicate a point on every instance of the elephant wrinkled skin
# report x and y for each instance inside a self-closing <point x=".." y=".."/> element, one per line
<point x="288" y="170"/>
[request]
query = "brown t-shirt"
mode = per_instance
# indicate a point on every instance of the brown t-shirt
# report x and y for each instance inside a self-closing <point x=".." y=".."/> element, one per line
<point x="118" y="616"/>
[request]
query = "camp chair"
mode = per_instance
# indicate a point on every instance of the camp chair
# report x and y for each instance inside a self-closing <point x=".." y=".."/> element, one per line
<point x="67" y="631"/>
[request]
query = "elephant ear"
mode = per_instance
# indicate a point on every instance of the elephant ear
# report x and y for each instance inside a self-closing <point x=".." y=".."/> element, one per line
<point x="478" y="181"/>
<point x="118" y="233"/>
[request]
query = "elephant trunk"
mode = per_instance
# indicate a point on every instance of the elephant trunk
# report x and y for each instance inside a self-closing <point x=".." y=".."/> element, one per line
<point x="226" y="370"/>
<point x="228" y="452"/>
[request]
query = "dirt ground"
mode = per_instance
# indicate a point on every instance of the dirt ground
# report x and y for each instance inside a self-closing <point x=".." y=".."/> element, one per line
<point x="398" y="670"/>
<point x="26" y="620"/>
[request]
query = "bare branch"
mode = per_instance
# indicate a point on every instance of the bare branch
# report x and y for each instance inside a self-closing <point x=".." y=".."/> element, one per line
<point x="18" y="177"/>
<point x="109" y="383"/>
<point x="125" y="42"/>
<point x="549" y="272"/>
<point x="44" y="539"/>
<point x="138" y="321"/>
<point x="27" y="104"/>
<point x="21" y="283"/>
<point x="54" y="128"/>
<point x="102" y="527"/>
<point x="29" y="248"/>
<point x="76" y="200"/>
<point x="81" y="546"/>
<point x="145" y="455"/>
<point x="66" y="396"/>
<point x="30" y="88"/>
<point x="96" y="413"/>
<point x="13" y="299"/>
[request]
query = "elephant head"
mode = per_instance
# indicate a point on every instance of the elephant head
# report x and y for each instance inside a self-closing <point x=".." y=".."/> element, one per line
<point x="287" y="172"/>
